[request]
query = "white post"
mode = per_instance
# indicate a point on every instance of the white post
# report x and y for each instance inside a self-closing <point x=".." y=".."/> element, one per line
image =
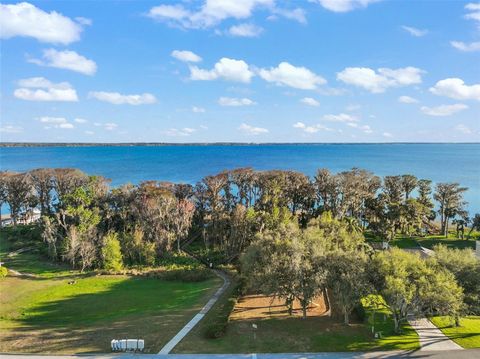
<point x="478" y="249"/>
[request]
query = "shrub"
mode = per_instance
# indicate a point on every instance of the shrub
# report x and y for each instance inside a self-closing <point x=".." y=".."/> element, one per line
<point x="359" y="310"/>
<point x="111" y="253"/>
<point x="183" y="274"/>
<point x="3" y="272"/>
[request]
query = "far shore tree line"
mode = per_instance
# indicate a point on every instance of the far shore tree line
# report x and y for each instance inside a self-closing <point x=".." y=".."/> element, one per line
<point x="293" y="237"/>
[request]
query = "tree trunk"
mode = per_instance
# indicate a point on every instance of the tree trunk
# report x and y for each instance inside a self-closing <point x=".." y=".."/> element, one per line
<point x="396" y="323"/>
<point x="345" y="317"/>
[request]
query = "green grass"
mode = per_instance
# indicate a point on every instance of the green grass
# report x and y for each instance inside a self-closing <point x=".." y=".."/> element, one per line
<point x="47" y="314"/>
<point x="466" y="335"/>
<point x="314" y="334"/>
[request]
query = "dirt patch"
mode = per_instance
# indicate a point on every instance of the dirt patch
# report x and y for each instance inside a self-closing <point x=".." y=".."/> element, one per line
<point x="265" y="307"/>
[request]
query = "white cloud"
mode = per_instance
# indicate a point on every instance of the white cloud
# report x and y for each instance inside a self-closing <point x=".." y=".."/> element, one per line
<point x="186" y="56"/>
<point x="464" y="129"/>
<point x="175" y="132"/>
<point x="198" y="109"/>
<point x="226" y="69"/>
<point x="414" y="31"/>
<point x="313" y="128"/>
<point x="90" y="133"/>
<point x="345" y="5"/>
<point x="378" y="82"/>
<point x="310" y="101"/>
<point x="80" y="120"/>
<point x="110" y="126"/>
<point x="289" y="75"/>
<point x="407" y="99"/>
<point x="11" y="129"/>
<point x="245" y="30"/>
<point x="26" y="20"/>
<point x="342" y="117"/>
<point x="211" y="13"/>
<point x="56" y="122"/>
<point x="66" y="59"/>
<point x="233" y="101"/>
<point x="474" y="12"/>
<point x="296" y="14"/>
<point x="366" y="129"/>
<point x="251" y="130"/>
<point x="465" y="47"/>
<point x="443" y="110"/>
<point x="119" y="99"/>
<point x="457" y="89"/>
<point x="41" y="89"/>
<point x="84" y="21"/>
<point x="387" y="134"/>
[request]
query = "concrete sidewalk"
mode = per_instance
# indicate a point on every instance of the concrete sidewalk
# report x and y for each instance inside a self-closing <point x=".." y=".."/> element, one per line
<point x="189" y="326"/>
<point x="431" y="338"/>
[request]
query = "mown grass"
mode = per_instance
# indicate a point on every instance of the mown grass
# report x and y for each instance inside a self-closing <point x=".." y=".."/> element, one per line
<point x="466" y="335"/>
<point x="63" y="311"/>
<point x="314" y="334"/>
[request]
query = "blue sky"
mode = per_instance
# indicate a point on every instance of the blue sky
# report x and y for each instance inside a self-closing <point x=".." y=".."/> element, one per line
<point x="240" y="71"/>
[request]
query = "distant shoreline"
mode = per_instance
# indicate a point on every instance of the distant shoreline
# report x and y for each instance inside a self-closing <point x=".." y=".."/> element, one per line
<point x="163" y="144"/>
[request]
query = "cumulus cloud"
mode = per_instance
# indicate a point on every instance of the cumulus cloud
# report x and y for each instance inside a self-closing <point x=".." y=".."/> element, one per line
<point x="443" y="110"/>
<point x="186" y="56"/>
<point x="407" y="99"/>
<point x="119" y="99"/>
<point x="378" y="81"/>
<point x="56" y="122"/>
<point x="297" y="14"/>
<point x="464" y="129"/>
<point x="310" y="101"/>
<point x="11" y="129"/>
<point x="41" y="89"/>
<point x="211" y="13"/>
<point x="414" y="31"/>
<point x="226" y="69"/>
<point x="198" y="109"/>
<point x="251" y="130"/>
<point x="110" y="126"/>
<point x="342" y="117"/>
<point x="80" y="120"/>
<point x="245" y="30"/>
<point x="457" y="89"/>
<point x="387" y="134"/>
<point x="288" y="75"/>
<point x="345" y="5"/>
<point x="466" y="47"/>
<point x="473" y="12"/>
<point x="235" y="102"/>
<point x="313" y="128"/>
<point x="68" y="60"/>
<point x="26" y="20"/>
<point x="176" y="132"/>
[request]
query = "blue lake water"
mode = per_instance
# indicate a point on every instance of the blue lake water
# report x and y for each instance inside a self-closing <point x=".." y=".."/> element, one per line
<point x="438" y="162"/>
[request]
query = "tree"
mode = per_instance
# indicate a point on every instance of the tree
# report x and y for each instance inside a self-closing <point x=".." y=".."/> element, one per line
<point x="475" y="224"/>
<point x="409" y="183"/>
<point x="111" y="253"/>
<point x="411" y="285"/>
<point x="348" y="279"/>
<point x="42" y="181"/>
<point x="288" y="264"/>
<point x="450" y="199"/>
<point x="20" y="194"/>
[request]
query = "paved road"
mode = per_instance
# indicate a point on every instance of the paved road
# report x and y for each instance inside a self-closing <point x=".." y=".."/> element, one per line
<point x="444" y="354"/>
<point x="432" y="338"/>
<point x="189" y="326"/>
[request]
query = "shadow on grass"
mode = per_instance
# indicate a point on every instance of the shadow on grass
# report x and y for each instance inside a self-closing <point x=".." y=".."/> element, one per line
<point x="85" y="316"/>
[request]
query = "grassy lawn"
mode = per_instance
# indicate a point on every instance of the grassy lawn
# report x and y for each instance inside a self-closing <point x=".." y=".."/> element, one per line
<point x="47" y="314"/>
<point x="314" y="334"/>
<point x="467" y="335"/>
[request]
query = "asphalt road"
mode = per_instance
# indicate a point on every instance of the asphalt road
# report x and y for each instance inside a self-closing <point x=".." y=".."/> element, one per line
<point x="444" y="354"/>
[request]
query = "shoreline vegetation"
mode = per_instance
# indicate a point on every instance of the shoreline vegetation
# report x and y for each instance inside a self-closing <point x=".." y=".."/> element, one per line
<point x="280" y="234"/>
<point x="161" y="144"/>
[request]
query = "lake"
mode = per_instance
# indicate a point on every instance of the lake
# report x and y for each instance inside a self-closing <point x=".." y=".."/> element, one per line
<point x="189" y="163"/>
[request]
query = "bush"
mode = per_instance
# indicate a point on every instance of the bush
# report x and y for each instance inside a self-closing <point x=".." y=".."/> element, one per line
<point x="216" y="324"/>
<point x="111" y="253"/>
<point x="3" y="272"/>
<point x="360" y="312"/>
<point x="183" y="274"/>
